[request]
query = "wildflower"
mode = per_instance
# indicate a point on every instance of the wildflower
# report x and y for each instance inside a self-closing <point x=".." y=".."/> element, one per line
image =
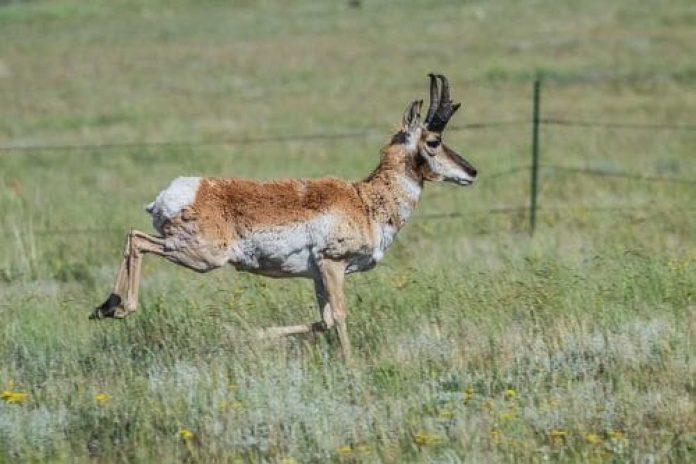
<point x="427" y="439"/>
<point x="508" y="414"/>
<point x="468" y="395"/>
<point x="230" y="405"/>
<point x="185" y="434"/>
<point x="102" y="398"/>
<point x="593" y="438"/>
<point x="510" y="393"/>
<point x="558" y="435"/>
<point x="14" y="397"/>
<point x="401" y="280"/>
<point x="445" y="414"/>
<point x="344" y="451"/>
<point x="615" y="434"/>
<point x="288" y="460"/>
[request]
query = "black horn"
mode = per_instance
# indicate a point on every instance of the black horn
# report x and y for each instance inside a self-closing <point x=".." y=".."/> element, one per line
<point x="434" y="98"/>
<point x="441" y="108"/>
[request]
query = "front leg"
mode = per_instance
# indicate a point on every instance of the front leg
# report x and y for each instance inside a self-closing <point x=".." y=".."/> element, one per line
<point x="326" y="322"/>
<point x="124" y="298"/>
<point x="332" y="277"/>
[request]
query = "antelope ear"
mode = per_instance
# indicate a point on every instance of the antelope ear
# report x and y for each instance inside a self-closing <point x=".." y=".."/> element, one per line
<point x="411" y="119"/>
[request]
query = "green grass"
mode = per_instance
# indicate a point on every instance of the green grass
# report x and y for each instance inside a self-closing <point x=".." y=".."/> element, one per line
<point x="474" y="342"/>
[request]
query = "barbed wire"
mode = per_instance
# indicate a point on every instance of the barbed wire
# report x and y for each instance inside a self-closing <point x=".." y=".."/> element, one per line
<point x="453" y="215"/>
<point x="522" y="210"/>
<point x="620" y="174"/>
<point x="179" y="144"/>
<point x="507" y="172"/>
<point x="555" y="209"/>
<point x="616" y="125"/>
<point x="241" y="140"/>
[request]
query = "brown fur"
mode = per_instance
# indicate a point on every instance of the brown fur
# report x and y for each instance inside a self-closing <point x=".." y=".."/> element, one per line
<point x="226" y="209"/>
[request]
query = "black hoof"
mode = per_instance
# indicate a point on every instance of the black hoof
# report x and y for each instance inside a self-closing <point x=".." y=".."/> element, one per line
<point x="108" y="308"/>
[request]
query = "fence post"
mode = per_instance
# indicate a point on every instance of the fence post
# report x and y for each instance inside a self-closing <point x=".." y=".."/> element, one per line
<point x="534" y="188"/>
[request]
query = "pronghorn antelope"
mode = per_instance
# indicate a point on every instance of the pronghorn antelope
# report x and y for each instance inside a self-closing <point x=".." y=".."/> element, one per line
<point x="320" y="229"/>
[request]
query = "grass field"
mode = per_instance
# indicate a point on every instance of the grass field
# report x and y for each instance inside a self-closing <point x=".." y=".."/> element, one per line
<point x="473" y="341"/>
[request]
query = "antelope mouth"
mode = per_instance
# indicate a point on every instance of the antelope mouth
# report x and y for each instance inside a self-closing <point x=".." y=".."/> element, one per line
<point x="464" y="182"/>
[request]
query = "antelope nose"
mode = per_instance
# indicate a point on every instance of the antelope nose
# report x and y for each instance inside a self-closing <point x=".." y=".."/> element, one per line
<point x="472" y="172"/>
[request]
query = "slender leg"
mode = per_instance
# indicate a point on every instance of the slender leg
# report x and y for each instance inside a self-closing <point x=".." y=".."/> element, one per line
<point x="331" y="301"/>
<point x="121" y="284"/>
<point x="128" y="275"/>
<point x="140" y="243"/>
<point x="333" y="276"/>
<point x="113" y="306"/>
<point x="300" y="329"/>
<point x="325" y="312"/>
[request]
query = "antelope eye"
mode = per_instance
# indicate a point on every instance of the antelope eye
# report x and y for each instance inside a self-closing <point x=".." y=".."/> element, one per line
<point x="432" y="143"/>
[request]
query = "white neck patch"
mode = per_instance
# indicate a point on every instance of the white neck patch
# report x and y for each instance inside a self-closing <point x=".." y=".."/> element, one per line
<point x="412" y="189"/>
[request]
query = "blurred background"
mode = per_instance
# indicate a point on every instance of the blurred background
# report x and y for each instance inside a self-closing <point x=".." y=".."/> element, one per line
<point x="114" y="99"/>
<point x="102" y="103"/>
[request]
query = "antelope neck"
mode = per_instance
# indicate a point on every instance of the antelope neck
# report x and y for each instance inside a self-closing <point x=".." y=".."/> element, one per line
<point x="392" y="191"/>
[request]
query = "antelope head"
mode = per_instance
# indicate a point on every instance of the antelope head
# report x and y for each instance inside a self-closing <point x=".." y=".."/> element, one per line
<point x="436" y="161"/>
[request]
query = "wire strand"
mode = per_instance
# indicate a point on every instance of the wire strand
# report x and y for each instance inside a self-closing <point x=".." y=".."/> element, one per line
<point x="237" y="141"/>
<point x="619" y="174"/>
<point x="616" y="125"/>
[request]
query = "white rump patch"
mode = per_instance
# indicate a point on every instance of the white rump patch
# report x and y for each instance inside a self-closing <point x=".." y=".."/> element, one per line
<point x="180" y="194"/>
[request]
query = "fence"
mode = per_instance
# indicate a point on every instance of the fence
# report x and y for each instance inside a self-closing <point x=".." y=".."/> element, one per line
<point x="535" y="166"/>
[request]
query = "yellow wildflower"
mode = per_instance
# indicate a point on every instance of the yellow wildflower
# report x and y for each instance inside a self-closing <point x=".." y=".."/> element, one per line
<point x="593" y="438"/>
<point x="615" y="434"/>
<point x="102" y="398"/>
<point x="363" y="448"/>
<point x="510" y="393"/>
<point x="401" y="280"/>
<point x="344" y="451"/>
<point x="14" y="397"/>
<point x="427" y="439"/>
<point x="229" y="405"/>
<point x="185" y="433"/>
<point x="468" y="395"/>
<point x="558" y="435"/>
<point x="288" y="460"/>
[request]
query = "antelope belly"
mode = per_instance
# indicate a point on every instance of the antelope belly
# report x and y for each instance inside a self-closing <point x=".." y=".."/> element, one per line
<point x="280" y="251"/>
